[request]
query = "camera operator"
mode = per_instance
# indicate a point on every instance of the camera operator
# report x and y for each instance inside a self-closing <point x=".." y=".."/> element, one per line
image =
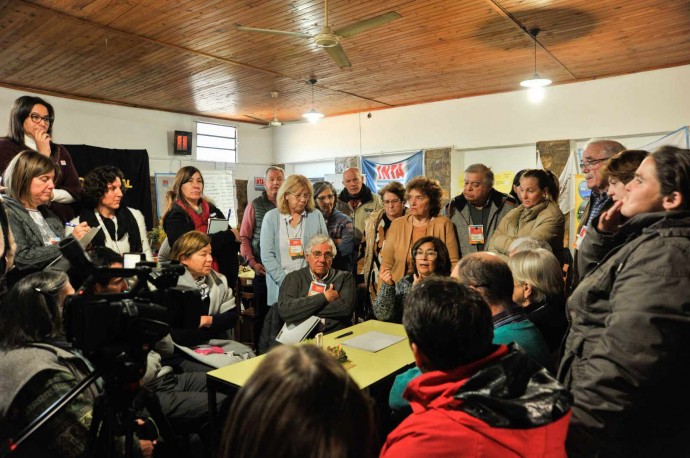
<point x="37" y="367"/>
<point x="183" y="397"/>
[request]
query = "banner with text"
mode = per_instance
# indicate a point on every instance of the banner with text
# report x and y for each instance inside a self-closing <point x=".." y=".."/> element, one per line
<point x="378" y="175"/>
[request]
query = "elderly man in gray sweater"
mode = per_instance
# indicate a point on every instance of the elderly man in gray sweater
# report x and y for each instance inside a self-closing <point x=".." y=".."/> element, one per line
<point x="318" y="290"/>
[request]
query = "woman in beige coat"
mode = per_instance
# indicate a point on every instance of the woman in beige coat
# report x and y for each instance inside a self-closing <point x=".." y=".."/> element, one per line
<point x="421" y="220"/>
<point x="538" y="216"/>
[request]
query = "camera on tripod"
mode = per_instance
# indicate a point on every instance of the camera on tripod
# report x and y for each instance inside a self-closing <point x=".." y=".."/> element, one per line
<point x="116" y="331"/>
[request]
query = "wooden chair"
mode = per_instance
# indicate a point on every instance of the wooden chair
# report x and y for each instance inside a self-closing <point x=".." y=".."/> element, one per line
<point x="244" y="329"/>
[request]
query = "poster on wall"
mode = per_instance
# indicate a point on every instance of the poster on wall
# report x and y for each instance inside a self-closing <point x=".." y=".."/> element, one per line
<point x="503" y="181"/>
<point x="163" y="183"/>
<point x="377" y="175"/>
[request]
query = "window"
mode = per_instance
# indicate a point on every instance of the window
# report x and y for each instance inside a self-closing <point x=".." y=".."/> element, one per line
<point x="215" y="142"/>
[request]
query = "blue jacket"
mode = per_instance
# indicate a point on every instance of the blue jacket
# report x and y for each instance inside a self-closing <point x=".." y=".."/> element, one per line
<point x="270" y="246"/>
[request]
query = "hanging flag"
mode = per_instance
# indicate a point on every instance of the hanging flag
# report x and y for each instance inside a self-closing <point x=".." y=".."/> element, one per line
<point x="679" y="138"/>
<point x="566" y="181"/>
<point x="378" y="175"/>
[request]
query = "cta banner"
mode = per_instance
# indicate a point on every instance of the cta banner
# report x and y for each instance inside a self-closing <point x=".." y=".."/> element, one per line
<point x="378" y="175"/>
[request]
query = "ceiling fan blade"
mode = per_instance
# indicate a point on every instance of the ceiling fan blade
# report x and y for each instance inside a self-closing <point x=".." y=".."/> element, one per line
<point x="258" y="119"/>
<point x="266" y="126"/>
<point x="367" y="24"/>
<point x="272" y="32"/>
<point x="338" y="55"/>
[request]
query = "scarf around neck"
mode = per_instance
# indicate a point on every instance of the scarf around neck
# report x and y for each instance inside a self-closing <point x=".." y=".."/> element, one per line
<point x="126" y="225"/>
<point x="200" y="220"/>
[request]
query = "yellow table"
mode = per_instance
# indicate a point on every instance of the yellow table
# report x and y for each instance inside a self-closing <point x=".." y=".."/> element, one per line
<point x="366" y="368"/>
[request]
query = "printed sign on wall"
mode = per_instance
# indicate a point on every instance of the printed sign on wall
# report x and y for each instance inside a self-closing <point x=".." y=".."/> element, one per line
<point x="378" y="175"/>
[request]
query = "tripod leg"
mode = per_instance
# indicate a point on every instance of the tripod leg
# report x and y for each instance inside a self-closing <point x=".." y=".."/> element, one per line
<point x="94" y="429"/>
<point x="148" y="400"/>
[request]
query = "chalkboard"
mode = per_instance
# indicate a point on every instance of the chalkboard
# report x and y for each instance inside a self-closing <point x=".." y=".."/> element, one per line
<point x="219" y="186"/>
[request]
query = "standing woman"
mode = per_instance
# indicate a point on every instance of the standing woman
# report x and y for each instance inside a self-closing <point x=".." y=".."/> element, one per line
<point x="186" y="210"/>
<point x="626" y="353"/>
<point x="286" y="230"/>
<point x="423" y="219"/>
<point x="123" y="229"/>
<point x="538" y="216"/>
<point x="36" y="229"/>
<point x="375" y="229"/>
<point x="31" y="127"/>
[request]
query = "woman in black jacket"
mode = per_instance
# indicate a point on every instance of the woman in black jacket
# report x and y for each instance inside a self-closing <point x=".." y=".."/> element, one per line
<point x="626" y="353"/>
<point x="186" y="209"/>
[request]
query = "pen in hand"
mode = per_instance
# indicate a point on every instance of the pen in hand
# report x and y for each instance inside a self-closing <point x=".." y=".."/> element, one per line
<point x="344" y="335"/>
<point x="70" y="224"/>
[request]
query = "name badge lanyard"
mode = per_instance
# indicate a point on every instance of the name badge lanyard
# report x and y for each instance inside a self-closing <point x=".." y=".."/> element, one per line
<point x="295" y="240"/>
<point x="105" y="231"/>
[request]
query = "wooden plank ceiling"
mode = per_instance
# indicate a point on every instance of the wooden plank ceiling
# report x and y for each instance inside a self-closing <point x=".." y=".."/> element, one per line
<point x="186" y="56"/>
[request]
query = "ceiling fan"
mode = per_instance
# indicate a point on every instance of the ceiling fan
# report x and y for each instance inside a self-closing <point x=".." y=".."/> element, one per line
<point x="274" y="122"/>
<point x="329" y="39"/>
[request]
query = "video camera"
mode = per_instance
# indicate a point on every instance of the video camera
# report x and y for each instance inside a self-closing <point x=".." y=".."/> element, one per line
<point x="116" y="331"/>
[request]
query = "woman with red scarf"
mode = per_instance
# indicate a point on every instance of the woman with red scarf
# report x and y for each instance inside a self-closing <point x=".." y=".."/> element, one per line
<point x="186" y="210"/>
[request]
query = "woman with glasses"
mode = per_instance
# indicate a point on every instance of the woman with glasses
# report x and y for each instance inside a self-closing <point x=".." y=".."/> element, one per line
<point x="430" y="258"/>
<point x="31" y="127"/>
<point x="375" y="229"/>
<point x="186" y="209"/>
<point x="285" y="231"/>
<point x="423" y="219"/>
<point x="340" y="227"/>
<point x="538" y="216"/>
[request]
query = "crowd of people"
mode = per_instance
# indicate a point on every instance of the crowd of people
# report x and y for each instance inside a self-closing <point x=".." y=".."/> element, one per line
<point x="516" y="352"/>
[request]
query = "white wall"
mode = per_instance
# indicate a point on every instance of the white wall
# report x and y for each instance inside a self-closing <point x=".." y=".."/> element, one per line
<point x="648" y="102"/>
<point x="112" y="126"/>
<point x="479" y="128"/>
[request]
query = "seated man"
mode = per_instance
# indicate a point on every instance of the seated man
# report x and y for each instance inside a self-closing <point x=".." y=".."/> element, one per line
<point x="318" y="289"/>
<point x="474" y="398"/>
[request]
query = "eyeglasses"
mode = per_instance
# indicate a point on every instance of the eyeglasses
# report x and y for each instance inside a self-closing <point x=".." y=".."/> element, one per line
<point x="327" y="255"/>
<point x="391" y="202"/>
<point x="35" y="117"/>
<point x="588" y="164"/>
<point x="325" y="198"/>
<point x="429" y="254"/>
<point x="303" y="196"/>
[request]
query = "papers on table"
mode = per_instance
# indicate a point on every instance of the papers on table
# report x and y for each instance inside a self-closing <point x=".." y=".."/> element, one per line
<point x="373" y="341"/>
<point x="291" y="333"/>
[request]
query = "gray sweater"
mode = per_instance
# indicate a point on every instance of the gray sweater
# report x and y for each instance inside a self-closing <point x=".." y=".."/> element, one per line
<point x="295" y="306"/>
<point x="32" y="253"/>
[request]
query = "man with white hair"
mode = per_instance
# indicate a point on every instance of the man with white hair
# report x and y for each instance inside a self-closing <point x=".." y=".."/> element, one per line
<point x="318" y="290"/>
<point x="594" y="156"/>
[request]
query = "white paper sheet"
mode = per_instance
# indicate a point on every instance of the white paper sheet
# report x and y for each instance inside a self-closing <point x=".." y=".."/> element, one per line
<point x="373" y="341"/>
